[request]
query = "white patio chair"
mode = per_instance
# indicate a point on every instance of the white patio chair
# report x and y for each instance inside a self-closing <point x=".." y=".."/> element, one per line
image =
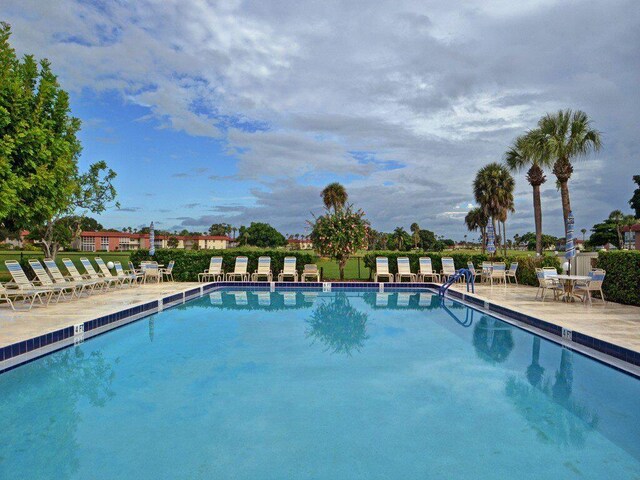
<point x="448" y="268"/>
<point x="498" y="273"/>
<point x="382" y="269"/>
<point x="263" y="270"/>
<point x="214" y="273"/>
<point x="289" y="270"/>
<point x="426" y="270"/>
<point x="404" y="270"/>
<point x="594" y="284"/>
<point x="310" y="273"/>
<point x="511" y="273"/>
<point x="546" y="281"/>
<point x="239" y="270"/>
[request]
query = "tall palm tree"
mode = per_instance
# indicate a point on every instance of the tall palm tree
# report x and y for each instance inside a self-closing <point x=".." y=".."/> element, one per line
<point x="567" y="136"/>
<point x="527" y="152"/>
<point x="493" y="190"/>
<point x="334" y="196"/>
<point x="399" y="234"/>
<point x="584" y="232"/>
<point x="475" y="220"/>
<point x="415" y="230"/>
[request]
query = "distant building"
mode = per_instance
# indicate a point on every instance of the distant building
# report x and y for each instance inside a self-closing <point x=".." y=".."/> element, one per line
<point x="123" y="241"/>
<point x="632" y="237"/>
<point x="300" y="244"/>
<point x="18" y="242"/>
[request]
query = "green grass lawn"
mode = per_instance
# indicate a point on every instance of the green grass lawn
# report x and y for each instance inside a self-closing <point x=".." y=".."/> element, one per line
<point x="123" y="257"/>
<point x="331" y="272"/>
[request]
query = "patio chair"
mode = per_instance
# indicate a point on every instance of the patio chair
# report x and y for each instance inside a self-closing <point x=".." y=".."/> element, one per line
<point x="214" y="273"/>
<point x="239" y="270"/>
<point x="289" y="270"/>
<point x="426" y="270"/>
<point x="263" y="270"/>
<point x="167" y="272"/>
<point x="448" y="268"/>
<point x="98" y="284"/>
<point x="126" y="277"/>
<point x="486" y="271"/>
<point x="106" y="273"/>
<point x="151" y="271"/>
<point x="44" y="280"/>
<point x="310" y="272"/>
<point x="511" y="273"/>
<point x="594" y="284"/>
<point x="82" y="286"/>
<point x="94" y="275"/>
<point x="7" y="295"/>
<point x="24" y="285"/>
<point x="498" y="273"/>
<point x="382" y="269"/>
<point x="404" y="270"/>
<point x="546" y="281"/>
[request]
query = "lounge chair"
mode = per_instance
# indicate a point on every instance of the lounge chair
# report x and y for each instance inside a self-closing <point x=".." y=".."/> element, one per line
<point x="263" y="271"/>
<point x="448" y="268"/>
<point x="99" y="283"/>
<point x="7" y="295"/>
<point x="404" y="270"/>
<point x="44" y="280"/>
<point x="239" y="270"/>
<point x="82" y="286"/>
<point x="94" y="275"/>
<point x="594" y="284"/>
<point x="511" y="273"/>
<point x="547" y="281"/>
<point x="289" y="270"/>
<point x="498" y="273"/>
<point x="214" y="273"/>
<point x="310" y="272"/>
<point x="382" y="269"/>
<point x="426" y="270"/>
<point x="167" y="272"/>
<point x="106" y="273"/>
<point x="24" y="286"/>
<point x="126" y="277"/>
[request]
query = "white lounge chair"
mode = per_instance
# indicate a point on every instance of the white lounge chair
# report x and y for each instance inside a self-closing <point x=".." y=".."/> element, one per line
<point x="471" y="267"/>
<point x="214" y="273"/>
<point x="106" y="273"/>
<point x="94" y="275"/>
<point x="7" y="294"/>
<point x="21" y="287"/>
<point x="82" y="286"/>
<point x="310" y="273"/>
<point x="240" y="270"/>
<point x="592" y="285"/>
<point x="263" y="270"/>
<point x="98" y="284"/>
<point x="448" y="268"/>
<point x="404" y="270"/>
<point x="44" y="280"/>
<point x="426" y="270"/>
<point x="289" y="270"/>
<point x="511" y="273"/>
<point x="382" y="269"/>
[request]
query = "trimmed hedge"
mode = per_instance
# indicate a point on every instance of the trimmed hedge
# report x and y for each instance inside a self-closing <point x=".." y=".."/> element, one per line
<point x="526" y="265"/>
<point x="189" y="263"/>
<point x="622" y="282"/>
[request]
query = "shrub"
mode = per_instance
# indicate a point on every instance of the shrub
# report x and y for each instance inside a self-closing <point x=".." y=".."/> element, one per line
<point x="526" y="265"/>
<point x="622" y="282"/>
<point x="191" y="262"/>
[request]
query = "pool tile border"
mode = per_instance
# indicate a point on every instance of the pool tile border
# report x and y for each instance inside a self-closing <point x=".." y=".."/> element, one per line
<point x="25" y="351"/>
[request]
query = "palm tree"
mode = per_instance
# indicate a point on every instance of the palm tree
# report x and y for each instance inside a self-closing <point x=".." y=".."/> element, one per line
<point x="584" y="232"/>
<point x="334" y="196"/>
<point x="493" y="190"/>
<point x="415" y="229"/>
<point x="475" y="220"/>
<point x="398" y="234"/>
<point x="620" y="220"/>
<point x="566" y="136"/>
<point x="526" y="152"/>
<point x="234" y="230"/>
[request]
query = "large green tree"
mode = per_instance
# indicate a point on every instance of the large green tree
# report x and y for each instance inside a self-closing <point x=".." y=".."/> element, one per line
<point x="526" y="152"/>
<point x="565" y="137"/>
<point x="263" y="235"/>
<point x="221" y="229"/>
<point x="635" y="200"/>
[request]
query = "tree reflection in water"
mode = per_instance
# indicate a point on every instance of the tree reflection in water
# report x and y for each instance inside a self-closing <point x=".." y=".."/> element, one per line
<point x="492" y="339"/>
<point x="38" y="414"/>
<point x="338" y="325"/>
<point x="546" y="402"/>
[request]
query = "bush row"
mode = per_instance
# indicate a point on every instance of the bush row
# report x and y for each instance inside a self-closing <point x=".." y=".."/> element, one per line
<point x="189" y="263"/>
<point x="622" y="282"/>
<point x="526" y="265"/>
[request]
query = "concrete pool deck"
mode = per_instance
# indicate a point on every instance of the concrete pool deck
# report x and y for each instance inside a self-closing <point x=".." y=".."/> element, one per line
<point x="613" y="323"/>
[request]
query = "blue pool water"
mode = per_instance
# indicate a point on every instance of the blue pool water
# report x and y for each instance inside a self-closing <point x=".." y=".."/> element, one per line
<point x="353" y="385"/>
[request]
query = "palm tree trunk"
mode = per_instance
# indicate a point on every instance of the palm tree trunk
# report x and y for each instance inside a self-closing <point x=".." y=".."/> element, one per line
<point x="504" y="238"/>
<point x="483" y="236"/>
<point x="537" y="214"/>
<point x="566" y="203"/>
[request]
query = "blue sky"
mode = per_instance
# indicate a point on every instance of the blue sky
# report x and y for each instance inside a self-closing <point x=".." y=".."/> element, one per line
<point x="241" y="111"/>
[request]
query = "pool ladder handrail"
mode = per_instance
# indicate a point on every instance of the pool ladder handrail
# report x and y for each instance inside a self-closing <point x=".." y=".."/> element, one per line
<point x="469" y="278"/>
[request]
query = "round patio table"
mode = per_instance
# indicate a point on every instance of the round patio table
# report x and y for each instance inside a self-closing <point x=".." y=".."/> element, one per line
<point x="568" y="283"/>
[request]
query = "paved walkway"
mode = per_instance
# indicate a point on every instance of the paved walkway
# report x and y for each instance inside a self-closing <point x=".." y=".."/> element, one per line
<point x="23" y="325"/>
<point x="612" y="322"/>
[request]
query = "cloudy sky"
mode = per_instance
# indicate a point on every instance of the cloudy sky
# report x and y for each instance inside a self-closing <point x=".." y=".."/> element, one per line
<point x="240" y="111"/>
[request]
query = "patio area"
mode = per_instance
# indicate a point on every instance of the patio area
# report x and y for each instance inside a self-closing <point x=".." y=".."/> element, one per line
<point x="611" y="322"/>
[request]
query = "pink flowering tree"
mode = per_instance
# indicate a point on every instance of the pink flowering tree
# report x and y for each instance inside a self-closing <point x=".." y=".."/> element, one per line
<point x="340" y="234"/>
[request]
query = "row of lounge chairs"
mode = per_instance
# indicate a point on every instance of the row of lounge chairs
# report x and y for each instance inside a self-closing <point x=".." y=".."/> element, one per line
<point x="50" y="284"/>
<point x="491" y="272"/>
<point x="240" y="272"/>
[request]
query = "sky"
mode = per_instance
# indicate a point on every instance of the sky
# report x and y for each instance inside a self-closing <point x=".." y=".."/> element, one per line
<point x="241" y="111"/>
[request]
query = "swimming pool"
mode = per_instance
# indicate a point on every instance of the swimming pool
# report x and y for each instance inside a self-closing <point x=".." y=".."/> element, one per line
<point x="304" y="384"/>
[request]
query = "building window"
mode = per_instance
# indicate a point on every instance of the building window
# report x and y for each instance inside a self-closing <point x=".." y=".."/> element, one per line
<point x="104" y="243"/>
<point x="123" y="244"/>
<point x="88" y="244"/>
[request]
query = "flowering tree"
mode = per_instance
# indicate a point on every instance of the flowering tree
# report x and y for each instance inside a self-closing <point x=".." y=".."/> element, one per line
<point x="339" y="234"/>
